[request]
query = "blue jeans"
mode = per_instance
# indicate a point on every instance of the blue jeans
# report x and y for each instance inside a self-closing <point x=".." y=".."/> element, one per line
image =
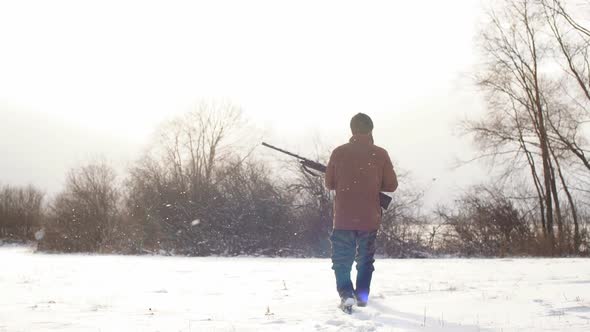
<point x="347" y="247"/>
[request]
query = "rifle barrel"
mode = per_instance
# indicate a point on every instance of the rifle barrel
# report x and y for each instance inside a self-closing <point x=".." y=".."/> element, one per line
<point x="283" y="151"/>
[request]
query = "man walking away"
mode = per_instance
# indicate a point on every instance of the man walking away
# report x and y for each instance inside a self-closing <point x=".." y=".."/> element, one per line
<point x="357" y="172"/>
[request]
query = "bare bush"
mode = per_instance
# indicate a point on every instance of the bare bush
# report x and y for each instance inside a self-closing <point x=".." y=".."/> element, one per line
<point x="313" y="211"/>
<point x="256" y="215"/>
<point x="173" y="184"/>
<point x="194" y="194"/>
<point x="484" y="222"/>
<point x="403" y="232"/>
<point x="21" y="212"/>
<point x="85" y="215"/>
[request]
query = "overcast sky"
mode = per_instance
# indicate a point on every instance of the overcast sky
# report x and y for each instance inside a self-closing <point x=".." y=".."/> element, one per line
<point x="82" y="79"/>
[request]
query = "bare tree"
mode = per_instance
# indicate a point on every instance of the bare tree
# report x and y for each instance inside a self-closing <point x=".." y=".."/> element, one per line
<point x="190" y="145"/>
<point x="573" y="39"/>
<point x="517" y="120"/>
<point x="178" y="180"/>
<point x="85" y="215"/>
<point x="533" y="120"/>
<point x="21" y="212"/>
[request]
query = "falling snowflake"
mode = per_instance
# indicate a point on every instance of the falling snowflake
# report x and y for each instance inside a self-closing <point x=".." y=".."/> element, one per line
<point x="40" y="234"/>
<point x="196" y="222"/>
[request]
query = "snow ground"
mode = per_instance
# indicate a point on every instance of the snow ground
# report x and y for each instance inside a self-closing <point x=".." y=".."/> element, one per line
<point x="40" y="292"/>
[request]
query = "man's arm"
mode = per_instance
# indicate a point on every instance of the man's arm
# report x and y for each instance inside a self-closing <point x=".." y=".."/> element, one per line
<point x="389" y="182"/>
<point x="330" y="178"/>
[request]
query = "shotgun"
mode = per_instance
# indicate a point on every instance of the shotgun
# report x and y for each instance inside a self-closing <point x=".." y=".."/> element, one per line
<point x="308" y="164"/>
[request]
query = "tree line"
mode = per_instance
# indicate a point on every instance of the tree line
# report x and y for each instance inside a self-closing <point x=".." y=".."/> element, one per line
<point x="199" y="191"/>
<point x="536" y="78"/>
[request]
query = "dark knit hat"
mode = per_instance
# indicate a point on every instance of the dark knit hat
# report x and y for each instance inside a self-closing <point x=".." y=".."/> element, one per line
<point x="361" y="124"/>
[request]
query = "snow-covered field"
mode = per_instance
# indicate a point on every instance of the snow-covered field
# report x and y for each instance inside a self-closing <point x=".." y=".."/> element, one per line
<point x="41" y="292"/>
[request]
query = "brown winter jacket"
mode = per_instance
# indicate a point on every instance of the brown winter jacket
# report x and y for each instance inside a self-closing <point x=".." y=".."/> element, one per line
<point x="357" y="172"/>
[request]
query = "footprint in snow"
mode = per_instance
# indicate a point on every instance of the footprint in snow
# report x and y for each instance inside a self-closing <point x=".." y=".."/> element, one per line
<point x="334" y="322"/>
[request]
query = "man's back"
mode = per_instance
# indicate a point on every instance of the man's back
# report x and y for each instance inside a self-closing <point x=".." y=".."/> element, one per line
<point x="357" y="172"/>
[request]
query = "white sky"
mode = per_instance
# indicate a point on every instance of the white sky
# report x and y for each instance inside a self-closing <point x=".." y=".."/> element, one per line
<point x="80" y="79"/>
